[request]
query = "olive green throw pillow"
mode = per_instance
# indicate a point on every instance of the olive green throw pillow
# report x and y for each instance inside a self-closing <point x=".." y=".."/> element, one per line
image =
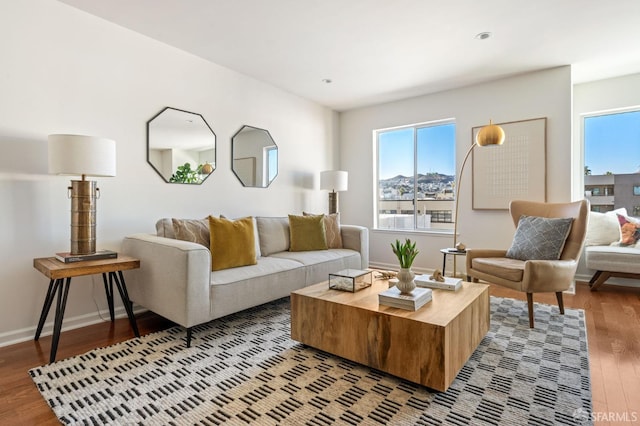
<point x="307" y="233"/>
<point x="232" y="243"/>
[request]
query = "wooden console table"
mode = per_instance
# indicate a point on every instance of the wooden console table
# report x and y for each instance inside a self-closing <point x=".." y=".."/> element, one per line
<point x="60" y="275"/>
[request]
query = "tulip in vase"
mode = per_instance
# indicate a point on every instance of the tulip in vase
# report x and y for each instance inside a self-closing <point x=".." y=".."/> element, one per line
<point x="405" y="252"/>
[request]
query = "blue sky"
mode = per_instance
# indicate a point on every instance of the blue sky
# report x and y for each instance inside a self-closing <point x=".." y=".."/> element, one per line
<point x="612" y="144"/>
<point x="396" y="151"/>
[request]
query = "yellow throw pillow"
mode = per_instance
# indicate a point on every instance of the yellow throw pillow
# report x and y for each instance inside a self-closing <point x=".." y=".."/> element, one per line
<point x="232" y="243"/>
<point x="307" y="233"/>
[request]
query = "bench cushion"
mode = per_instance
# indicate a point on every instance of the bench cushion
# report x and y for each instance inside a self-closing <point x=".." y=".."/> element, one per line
<point x="614" y="259"/>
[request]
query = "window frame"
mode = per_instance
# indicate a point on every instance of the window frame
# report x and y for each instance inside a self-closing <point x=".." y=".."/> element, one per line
<point x="376" y="180"/>
<point x="583" y="148"/>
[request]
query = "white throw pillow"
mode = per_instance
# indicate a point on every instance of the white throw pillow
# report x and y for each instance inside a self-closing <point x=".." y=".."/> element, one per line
<point x="603" y="228"/>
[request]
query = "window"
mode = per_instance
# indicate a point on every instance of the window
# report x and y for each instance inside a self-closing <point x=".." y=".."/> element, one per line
<point x="271" y="163"/>
<point x="612" y="160"/>
<point x="416" y="176"/>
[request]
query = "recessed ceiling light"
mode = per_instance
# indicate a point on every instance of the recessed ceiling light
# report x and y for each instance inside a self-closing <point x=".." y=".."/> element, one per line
<point x="483" y="35"/>
<point x="326" y="80"/>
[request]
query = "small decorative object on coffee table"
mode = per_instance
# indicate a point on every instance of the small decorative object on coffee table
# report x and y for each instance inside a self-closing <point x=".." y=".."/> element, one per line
<point x="406" y="253"/>
<point x="350" y="280"/>
<point x="437" y="280"/>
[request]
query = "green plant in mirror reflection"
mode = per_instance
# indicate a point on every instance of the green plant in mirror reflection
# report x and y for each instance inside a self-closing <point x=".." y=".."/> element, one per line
<point x="184" y="174"/>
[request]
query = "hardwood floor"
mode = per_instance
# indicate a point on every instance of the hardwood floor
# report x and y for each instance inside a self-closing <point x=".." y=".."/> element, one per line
<point x="613" y="331"/>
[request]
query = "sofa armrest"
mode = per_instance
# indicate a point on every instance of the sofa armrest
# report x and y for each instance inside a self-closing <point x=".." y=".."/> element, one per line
<point x="173" y="280"/>
<point x="356" y="238"/>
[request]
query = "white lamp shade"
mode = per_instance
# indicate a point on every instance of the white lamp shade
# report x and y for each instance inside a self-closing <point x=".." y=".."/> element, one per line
<point x="82" y="155"/>
<point x="334" y="180"/>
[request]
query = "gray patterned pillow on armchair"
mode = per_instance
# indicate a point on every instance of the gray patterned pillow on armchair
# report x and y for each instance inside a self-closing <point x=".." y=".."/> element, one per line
<point x="539" y="238"/>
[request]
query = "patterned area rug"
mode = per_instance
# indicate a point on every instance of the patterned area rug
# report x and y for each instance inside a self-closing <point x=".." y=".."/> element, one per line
<point x="245" y="369"/>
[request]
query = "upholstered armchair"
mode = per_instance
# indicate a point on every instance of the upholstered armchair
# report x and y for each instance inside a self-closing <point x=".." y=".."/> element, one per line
<point x="520" y="267"/>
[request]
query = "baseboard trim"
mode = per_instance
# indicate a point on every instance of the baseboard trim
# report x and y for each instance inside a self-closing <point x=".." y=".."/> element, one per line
<point x="71" y="323"/>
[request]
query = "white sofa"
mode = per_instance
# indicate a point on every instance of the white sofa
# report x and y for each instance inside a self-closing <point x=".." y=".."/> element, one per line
<point x="175" y="278"/>
<point x="603" y="257"/>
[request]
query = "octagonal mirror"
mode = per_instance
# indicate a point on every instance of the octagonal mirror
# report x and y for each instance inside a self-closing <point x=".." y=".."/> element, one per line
<point x="181" y="146"/>
<point x="255" y="157"/>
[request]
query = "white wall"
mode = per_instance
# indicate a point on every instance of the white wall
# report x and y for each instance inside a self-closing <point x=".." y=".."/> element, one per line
<point x="541" y="94"/>
<point x="64" y="71"/>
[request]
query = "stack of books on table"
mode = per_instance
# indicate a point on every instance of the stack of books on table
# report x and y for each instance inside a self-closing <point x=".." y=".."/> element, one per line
<point x="449" y="283"/>
<point x="414" y="301"/>
<point x="100" y="254"/>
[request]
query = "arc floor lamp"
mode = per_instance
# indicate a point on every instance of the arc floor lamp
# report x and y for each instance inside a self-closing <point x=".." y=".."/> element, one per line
<point x="491" y="134"/>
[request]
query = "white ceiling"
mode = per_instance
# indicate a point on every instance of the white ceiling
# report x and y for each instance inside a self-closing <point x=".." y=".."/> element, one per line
<point x="381" y="50"/>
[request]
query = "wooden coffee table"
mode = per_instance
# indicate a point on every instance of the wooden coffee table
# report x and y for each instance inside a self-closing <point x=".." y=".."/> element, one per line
<point x="428" y="346"/>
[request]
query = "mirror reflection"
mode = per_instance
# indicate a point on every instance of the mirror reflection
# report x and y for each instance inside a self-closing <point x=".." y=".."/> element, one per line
<point x="255" y="157"/>
<point x="181" y="146"/>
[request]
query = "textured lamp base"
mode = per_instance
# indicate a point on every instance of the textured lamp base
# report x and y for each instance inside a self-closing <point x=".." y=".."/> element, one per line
<point x="333" y="202"/>
<point x="83" y="216"/>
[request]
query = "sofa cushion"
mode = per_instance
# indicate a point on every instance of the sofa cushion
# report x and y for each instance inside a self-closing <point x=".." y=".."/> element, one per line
<point x="232" y="243"/>
<point x="307" y="233"/>
<point x="332" y="230"/>
<point x="539" y="238"/>
<point x="264" y="267"/>
<point x="273" y="234"/>
<point x="194" y="230"/>
<point x="629" y="231"/>
<point x="320" y="263"/>
<point x="233" y="290"/>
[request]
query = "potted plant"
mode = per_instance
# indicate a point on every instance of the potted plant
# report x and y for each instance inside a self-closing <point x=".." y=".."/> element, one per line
<point x="406" y="253"/>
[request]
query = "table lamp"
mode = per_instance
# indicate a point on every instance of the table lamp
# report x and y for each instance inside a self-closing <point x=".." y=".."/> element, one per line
<point x="335" y="181"/>
<point x="83" y="156"/>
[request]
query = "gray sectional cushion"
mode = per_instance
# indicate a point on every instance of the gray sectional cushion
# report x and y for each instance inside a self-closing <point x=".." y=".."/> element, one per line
<point x="539" y="238"/>
<point x="273" y="234"/>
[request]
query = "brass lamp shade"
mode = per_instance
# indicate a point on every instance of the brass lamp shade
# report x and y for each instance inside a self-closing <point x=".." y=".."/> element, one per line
<point x="490" y="135"/>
